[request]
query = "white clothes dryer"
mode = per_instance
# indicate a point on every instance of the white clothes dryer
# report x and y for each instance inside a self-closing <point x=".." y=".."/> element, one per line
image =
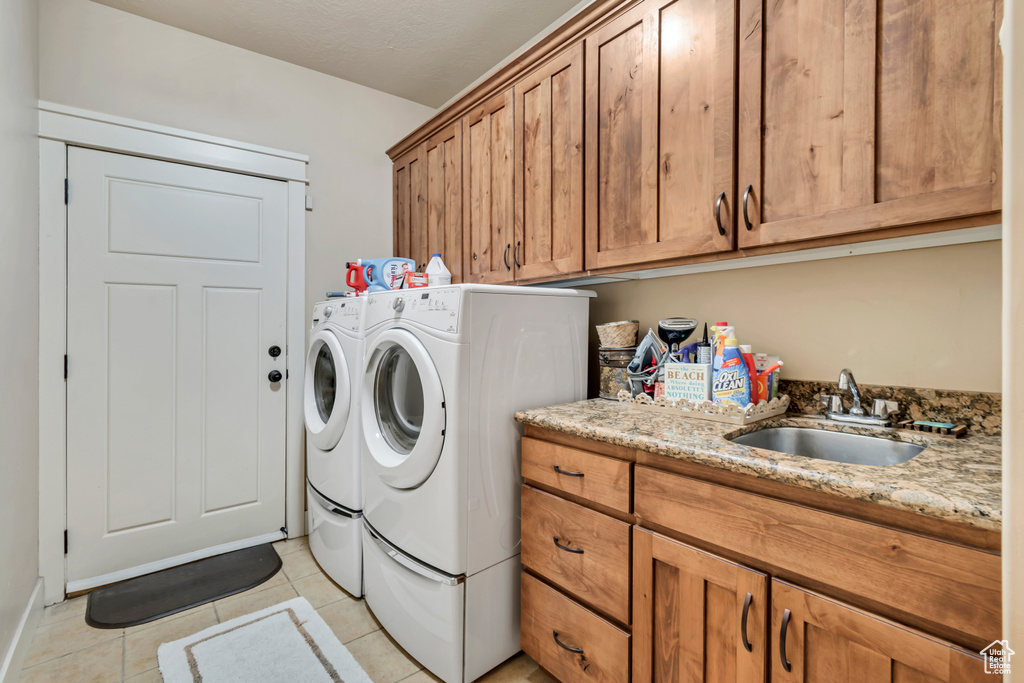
<point x="446" y="368"/>
<point x="333" y="439"/>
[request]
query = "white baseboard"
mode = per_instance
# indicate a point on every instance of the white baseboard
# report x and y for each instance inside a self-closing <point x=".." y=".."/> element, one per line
<point x="10" y="670"/>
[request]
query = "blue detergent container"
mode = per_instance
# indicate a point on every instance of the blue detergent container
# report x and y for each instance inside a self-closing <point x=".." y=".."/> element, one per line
<point x="385" y="274"/>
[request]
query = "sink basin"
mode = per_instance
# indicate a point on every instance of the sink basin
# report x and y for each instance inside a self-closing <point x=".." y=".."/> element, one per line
<point x="854" y="449"/>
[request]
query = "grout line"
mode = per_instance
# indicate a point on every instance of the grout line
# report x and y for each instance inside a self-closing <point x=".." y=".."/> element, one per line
<point x="124" y="647"/>
<point x="361" y="637"/>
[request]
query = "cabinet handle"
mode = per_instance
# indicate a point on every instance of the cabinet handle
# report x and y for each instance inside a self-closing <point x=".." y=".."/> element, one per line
<point x="743" y="623"/>
<point x="575" y="650"/>
<point x="782" y="640"/>
<point x="507" y="266"/>
<point x="718" y="213"/>
<point x="746" y="217"/>
<point x="578" y="551"/>
<point x="567" y="473"/>
<point x="515" y="255"/>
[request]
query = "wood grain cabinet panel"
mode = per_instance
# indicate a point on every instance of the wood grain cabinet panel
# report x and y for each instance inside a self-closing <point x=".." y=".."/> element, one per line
<point x="857" y="115"/>
<point x="581" y="551"/>
<point x="571" y="642"/>
<point x="694" y="614"/>
<point x="549" y="168"/>
<point x="441" y="191"/>
<point x="410" y="224"/>
<point x="818" y="640"/>
<point x="597" y="478"/>
<point x="487" y="189"/>
<point x="661" y="112"/>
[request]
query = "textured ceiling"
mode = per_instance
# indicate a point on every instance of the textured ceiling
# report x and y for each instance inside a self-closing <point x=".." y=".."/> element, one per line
<point x="422" y="50"/>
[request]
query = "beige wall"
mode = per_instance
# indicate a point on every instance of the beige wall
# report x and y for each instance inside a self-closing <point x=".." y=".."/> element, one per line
<point x="99" y="58"/>
<point x="19" y="313"/>
<point x="924" y="318"/>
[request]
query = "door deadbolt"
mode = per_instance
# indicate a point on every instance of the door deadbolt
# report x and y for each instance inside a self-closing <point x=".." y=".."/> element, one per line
<point x="275" y="376"/>
<point x="274" y="351"/>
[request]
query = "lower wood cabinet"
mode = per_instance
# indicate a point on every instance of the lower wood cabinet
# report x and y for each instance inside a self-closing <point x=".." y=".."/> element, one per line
<point x="696" y="617"/>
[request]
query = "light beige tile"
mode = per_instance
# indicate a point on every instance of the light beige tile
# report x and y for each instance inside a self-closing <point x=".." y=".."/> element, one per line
<point x="319" y="590"/>
<point x="75" y="607"/>
<point x="67" y="636"/>
<point x="291" y="545"/>
<point x="151" y="676"/>
<point x="520" y="668"/>
<point x="140" y="647"/>
<point x="252" y="601"/>
<point x="278" y="579"/>
<point x="349" y="619"/>
<point x="381" y="658"/>
<point x="299" y="563"/>
<point x="98" y="664"/>
<point x="208" y="607"/>
<point x="422" y="676"/>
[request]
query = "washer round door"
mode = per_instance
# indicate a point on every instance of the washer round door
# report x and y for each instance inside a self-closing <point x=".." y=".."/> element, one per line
<point x="328" y="390"/>
<point x="403" y="409"/>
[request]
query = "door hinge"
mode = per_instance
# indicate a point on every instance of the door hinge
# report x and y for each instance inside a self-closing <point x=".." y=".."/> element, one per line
<point x="67" y="189"/>
<point x="65" y="366"/>
<point x="65" y="541"/>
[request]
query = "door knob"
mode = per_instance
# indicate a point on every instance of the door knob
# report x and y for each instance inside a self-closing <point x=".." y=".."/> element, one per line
<point x="274" y="351"/>
<point x="275" y="376"/>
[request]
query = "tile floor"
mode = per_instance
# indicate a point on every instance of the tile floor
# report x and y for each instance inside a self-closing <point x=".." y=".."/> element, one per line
<point x="66" y="649"/>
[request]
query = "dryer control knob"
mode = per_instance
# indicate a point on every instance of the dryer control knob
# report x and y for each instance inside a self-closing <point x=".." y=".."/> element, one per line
<point x="328" y="311"/>
<point x="398" y="305"/>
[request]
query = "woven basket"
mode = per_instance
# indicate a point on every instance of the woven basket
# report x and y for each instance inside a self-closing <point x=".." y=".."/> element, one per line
<point x="621" y="333"/>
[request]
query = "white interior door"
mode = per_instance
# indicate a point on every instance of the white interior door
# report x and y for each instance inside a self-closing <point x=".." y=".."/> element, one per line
<point x="175" y="433"/>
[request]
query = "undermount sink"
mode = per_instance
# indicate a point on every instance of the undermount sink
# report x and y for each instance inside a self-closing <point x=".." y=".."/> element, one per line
<point x="854" y="449"/>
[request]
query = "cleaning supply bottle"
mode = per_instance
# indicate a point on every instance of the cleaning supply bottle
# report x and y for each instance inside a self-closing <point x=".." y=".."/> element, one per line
<point x="704" y="348"/>
<point x="748" y="360"/>
<point x="385" y="274"/>
<point x="437" y="272"/>
<point x="731" y="383"/>
<point x="725" y="332"/>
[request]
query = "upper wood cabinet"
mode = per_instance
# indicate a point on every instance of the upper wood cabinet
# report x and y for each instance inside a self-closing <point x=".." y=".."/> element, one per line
<point x="661" y="113"/>
<point x="817" y="640"/>
<point x="695" y="614"/>
<point x="428" y="201"/>
<point x="487" y="190"/>
<point x="857" y="115"/>
<point x="549" y="168"/>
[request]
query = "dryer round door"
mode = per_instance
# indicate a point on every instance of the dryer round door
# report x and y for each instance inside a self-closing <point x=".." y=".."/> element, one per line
<point x="328" y="390"/>
<point x="403" y="409"/>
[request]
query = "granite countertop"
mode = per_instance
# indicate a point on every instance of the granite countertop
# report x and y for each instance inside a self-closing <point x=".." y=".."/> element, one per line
<point x="958" y="480"/>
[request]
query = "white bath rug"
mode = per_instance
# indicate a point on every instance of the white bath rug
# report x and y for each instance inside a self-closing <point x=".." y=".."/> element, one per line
<point x="286" y="642"/>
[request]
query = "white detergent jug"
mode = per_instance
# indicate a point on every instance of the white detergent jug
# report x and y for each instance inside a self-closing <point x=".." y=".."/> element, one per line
<point x="437" y="272"/>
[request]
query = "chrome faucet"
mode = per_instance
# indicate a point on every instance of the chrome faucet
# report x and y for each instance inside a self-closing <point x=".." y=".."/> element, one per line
<point x="881" y="410"/>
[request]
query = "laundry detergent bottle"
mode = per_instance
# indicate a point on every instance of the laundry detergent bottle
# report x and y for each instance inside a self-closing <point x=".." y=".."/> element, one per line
<point x="731" y="383"/>
<point x="385" y="274"/>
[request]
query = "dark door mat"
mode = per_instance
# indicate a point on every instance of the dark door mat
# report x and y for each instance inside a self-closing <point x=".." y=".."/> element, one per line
<point x="146" y="598"/>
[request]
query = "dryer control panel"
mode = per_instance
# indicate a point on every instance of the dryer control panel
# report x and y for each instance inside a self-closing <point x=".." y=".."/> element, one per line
<point x="436" y="308"/>
<point x="345" y="312"/>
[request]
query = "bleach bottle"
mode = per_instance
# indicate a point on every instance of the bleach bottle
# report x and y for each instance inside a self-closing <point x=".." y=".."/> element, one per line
<point x="437" y="272"/>
<point x="385" y="274"/>
<point x="731" y="383"/>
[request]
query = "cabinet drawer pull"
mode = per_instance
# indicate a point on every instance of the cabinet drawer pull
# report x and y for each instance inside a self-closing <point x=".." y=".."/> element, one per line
<point x="507" y="266"/>
<point x="578" y="551"/>
<point x="567" y="473"/>
<point x="515" y="255"/>
<point x="575" y="650"/>
<point x="782" y="640"/>
<point x="743" y="623"/>
<point x="746" y="217"/>
<point x="718" y="213"/>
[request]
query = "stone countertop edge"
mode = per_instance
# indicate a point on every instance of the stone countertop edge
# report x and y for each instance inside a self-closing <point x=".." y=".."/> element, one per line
<point x="957" y="480"/>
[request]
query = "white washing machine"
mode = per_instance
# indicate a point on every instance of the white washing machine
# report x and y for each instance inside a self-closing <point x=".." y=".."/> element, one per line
<point x="445" y="370"/>
<point x="333" y="439"/>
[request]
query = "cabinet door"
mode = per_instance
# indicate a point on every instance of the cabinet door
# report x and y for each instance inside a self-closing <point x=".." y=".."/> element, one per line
<point x="410" y="217"/>
<point x="549" y="168"/>
<point x="488" y="162"/>
<point x="694" y="615"/>
<point x="819" y="640"/>
<point x="857" y="115"/>
<point x="442" y="192"/>
<point x="661" y="113"/>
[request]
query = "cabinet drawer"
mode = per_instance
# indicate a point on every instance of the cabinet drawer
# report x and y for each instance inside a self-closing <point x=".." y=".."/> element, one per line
<point x="582" y="551"/>
<point x="603" y="480"/>
<point x="940" y="587"/>
<point x="546" y="612"/>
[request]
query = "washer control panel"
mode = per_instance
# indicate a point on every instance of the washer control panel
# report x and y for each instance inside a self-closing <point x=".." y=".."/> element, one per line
<point x="345" y="312"/>
<point x="435" y="308"/>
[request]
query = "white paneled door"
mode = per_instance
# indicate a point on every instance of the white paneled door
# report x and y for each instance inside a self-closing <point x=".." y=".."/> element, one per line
<point x="176" y="309"/>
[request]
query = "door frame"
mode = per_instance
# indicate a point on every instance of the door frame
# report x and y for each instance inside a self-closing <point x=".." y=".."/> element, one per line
<point x="60" y="127"/>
